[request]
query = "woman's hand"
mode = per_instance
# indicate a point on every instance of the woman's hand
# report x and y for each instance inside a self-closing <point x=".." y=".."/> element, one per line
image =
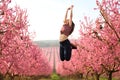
<point x="72" y="6"/>
<point x="69" y="8"/>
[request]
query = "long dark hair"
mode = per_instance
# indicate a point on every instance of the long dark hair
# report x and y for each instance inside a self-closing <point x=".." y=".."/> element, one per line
<point x="73" y="26"/>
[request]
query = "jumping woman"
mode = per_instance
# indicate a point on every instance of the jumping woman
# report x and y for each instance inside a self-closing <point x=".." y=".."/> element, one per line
<point x="66" y="30"/>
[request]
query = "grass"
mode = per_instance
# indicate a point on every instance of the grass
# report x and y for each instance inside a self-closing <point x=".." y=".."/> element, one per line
<point x="103" y="78"/>
<point x="54" y="76"/>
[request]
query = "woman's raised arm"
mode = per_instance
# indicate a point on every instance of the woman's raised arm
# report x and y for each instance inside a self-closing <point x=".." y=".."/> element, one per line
<point x="71" y="15"/>
<point x="66" y="14"/>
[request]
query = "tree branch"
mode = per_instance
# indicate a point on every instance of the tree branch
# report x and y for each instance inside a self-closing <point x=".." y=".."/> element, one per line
<point x="104" y="14"/>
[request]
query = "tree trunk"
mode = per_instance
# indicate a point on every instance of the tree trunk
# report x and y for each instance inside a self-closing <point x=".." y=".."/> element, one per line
<point x="1" y="76"/>
<point x="97" y="77"/>
<point x="86" y="77"/>
<point x="110" y="75"/>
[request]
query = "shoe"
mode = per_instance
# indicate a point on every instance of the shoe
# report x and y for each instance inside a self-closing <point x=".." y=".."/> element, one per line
<point x="73" y="46"/>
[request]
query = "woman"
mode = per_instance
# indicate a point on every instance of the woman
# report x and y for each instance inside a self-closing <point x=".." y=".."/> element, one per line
<point x="67" y="28"/>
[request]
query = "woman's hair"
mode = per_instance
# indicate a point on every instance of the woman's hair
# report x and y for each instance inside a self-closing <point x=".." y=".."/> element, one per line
<point x="73" y="25"/>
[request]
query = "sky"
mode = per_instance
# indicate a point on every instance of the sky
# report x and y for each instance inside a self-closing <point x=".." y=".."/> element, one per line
<point x="46" y="16"/>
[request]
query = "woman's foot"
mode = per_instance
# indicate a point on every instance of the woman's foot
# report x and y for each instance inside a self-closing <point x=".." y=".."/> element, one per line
<point x="73" y="46"/>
